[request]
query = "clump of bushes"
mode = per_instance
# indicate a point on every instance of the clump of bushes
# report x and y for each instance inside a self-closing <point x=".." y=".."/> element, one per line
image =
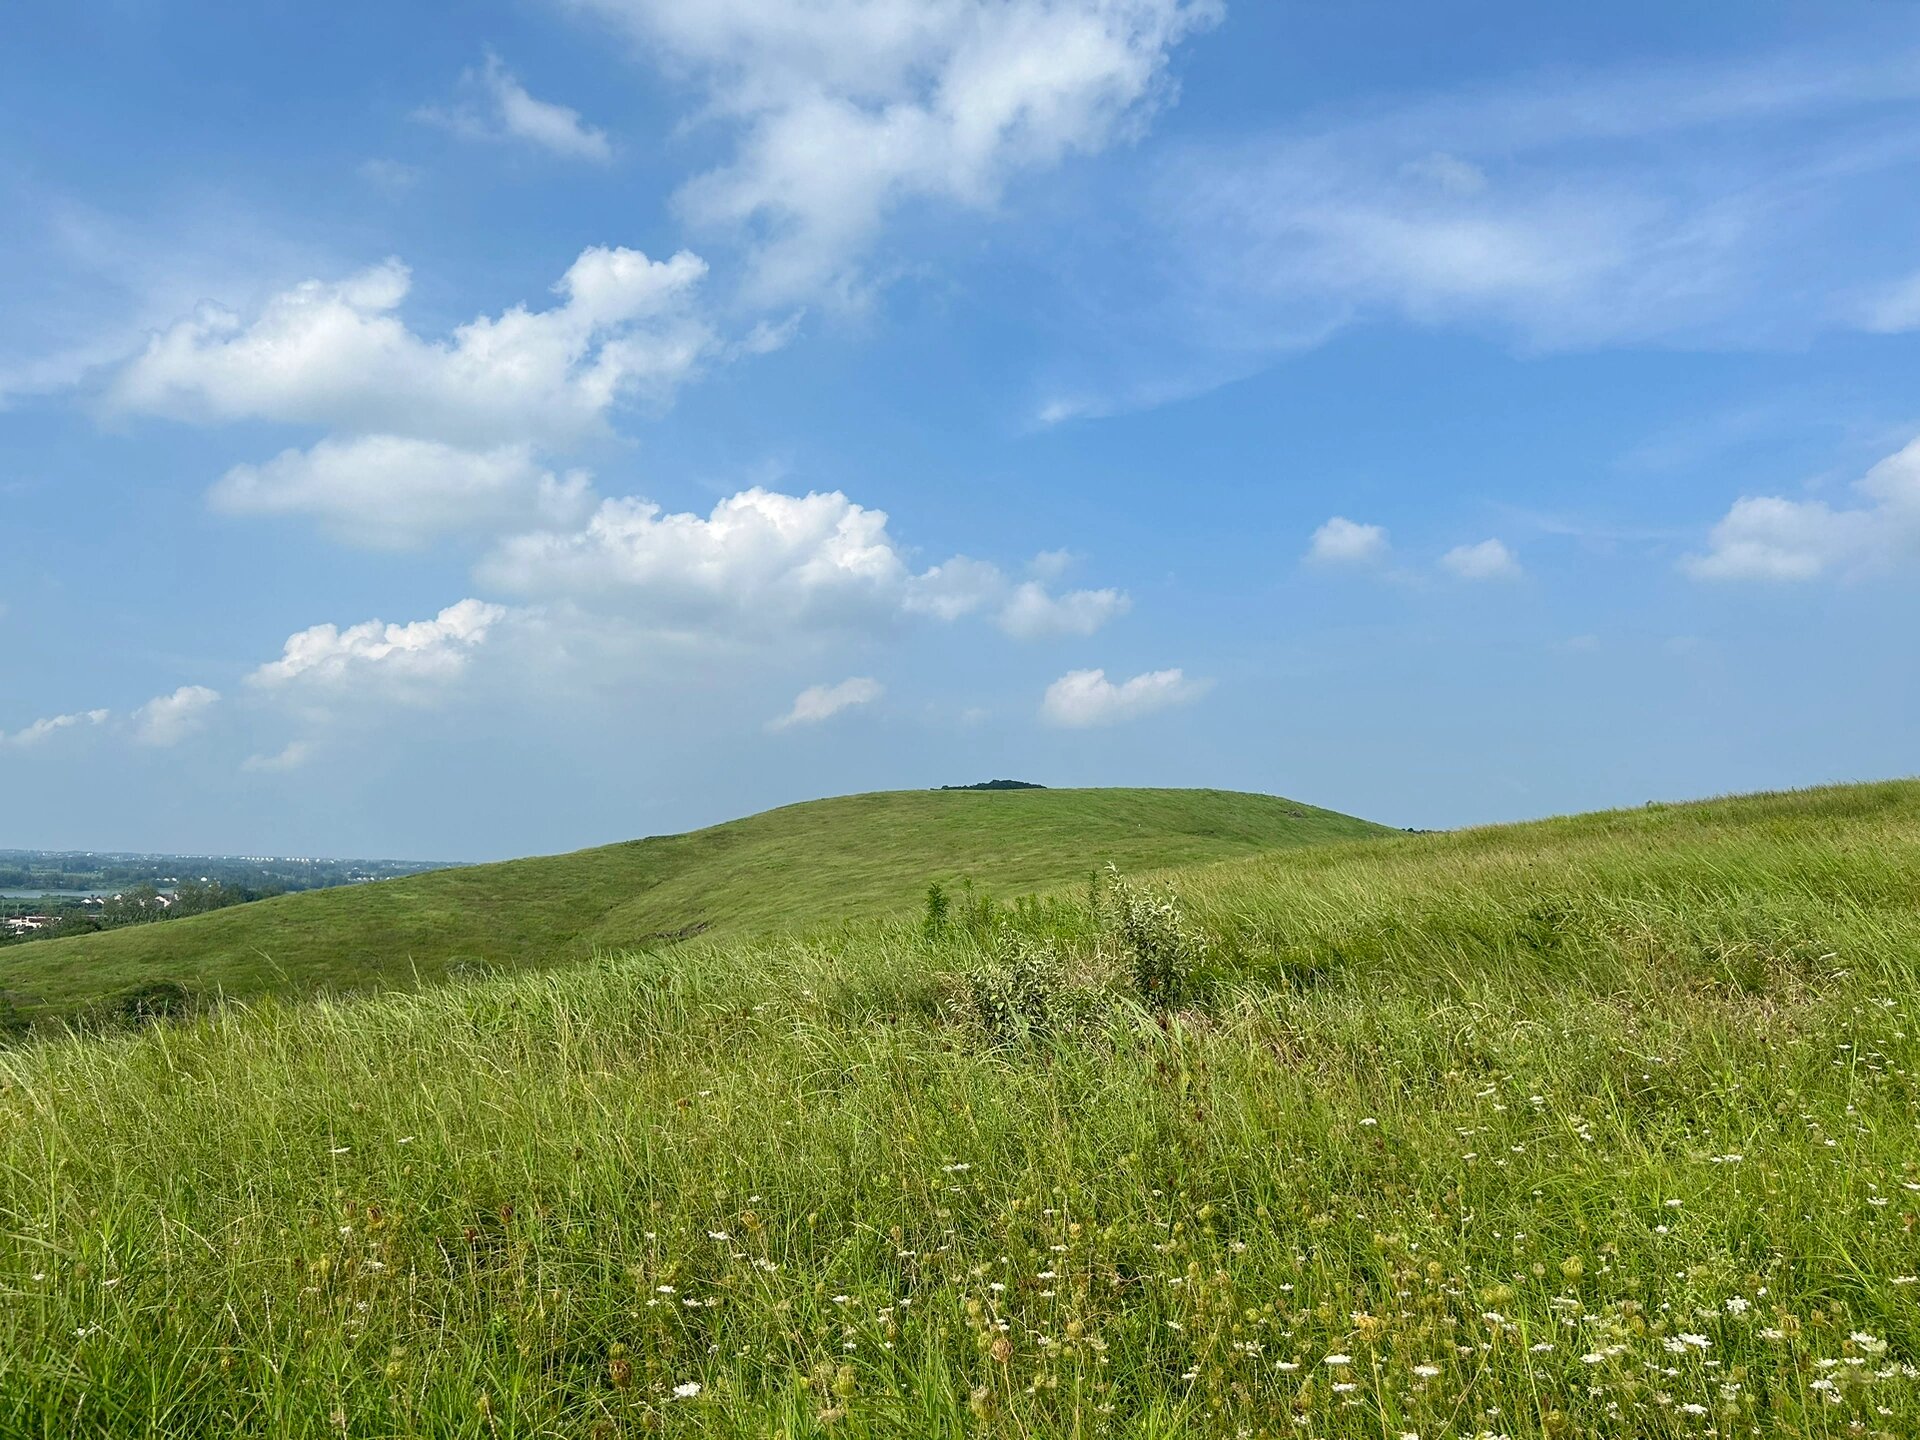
<point x="1019" y="991"/>
<point x="1031" y="979"/>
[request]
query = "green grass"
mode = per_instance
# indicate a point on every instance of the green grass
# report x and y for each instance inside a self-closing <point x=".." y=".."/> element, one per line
<point x="803" y="864"/>
<point x="1596" y="1127"/>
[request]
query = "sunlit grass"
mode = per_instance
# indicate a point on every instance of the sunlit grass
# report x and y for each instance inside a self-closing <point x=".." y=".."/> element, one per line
<point x="1595" y="1128"/>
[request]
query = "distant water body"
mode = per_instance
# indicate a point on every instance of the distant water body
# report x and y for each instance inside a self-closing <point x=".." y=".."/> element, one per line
<point x="47" y="894"/>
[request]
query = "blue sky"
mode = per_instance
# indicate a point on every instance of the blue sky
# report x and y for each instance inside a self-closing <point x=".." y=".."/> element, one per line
<point x="466" y="431"/>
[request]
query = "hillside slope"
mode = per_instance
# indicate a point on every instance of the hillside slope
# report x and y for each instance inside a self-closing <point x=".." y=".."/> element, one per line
<point x="1597" y="1127"/>
<point x="823" y="860"/>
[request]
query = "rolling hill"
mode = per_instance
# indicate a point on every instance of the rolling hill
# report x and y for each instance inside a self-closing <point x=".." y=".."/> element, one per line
<point x="802" y="864"/>
<point x="1592" y="1127"/>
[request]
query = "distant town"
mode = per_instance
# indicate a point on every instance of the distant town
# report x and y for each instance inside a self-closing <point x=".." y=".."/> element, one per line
<point x="50" y="893"/>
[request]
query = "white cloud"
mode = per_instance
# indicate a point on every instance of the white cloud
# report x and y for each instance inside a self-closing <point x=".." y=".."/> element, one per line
<point x="845" y="110"/>
<point x="1895" y="309"/>
<point x="336" y="354"/>
<point x="1345" y="542"/>
<point x="763" y="563"/>
<point x="1032" y="612"/>
<point x="1083" y="698"/>
<point x="391" y="177"/>
<point x="405" y="661"/>
<point x="290" y="757"/>
<point x="393" y="491"/>
<point x="762" y="560"/>
<point x="168" y="719"/>
<point x="1720" y="204"/>
<point x="823" y="702"/>
<point x="501" y="109"/>
<point x="39" y="730"/>
<point x="956" y="587"/>
<point x="1488" y="560"/>
<point x="1771" y="538"/>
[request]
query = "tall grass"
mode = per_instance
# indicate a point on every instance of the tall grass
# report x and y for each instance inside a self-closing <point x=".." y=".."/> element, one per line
<point x="1595" y="1128"/>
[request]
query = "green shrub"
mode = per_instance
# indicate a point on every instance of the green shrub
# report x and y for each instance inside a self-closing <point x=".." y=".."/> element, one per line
<point x="1160" y="948"/>
<point x="1018" y="991"/>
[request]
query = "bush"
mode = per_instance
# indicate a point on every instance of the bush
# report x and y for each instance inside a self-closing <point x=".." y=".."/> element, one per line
<point x="1160" y="948"/>
<point x="1018" y="992"/>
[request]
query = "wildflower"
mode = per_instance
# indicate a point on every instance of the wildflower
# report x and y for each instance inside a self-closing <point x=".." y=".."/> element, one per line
<point x="1738" y="1305"/>
<point x="686" y="1390"/>
<point x="1426" y="1372"/>
<point x="1337" y="1360"/>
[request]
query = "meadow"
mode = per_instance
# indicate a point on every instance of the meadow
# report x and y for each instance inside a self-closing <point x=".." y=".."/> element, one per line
<point x="1594" y="1127"/>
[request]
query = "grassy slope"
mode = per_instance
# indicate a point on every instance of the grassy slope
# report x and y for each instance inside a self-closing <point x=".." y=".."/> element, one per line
<point x="825" y="860"/>
<point x="1598" y="1127"/>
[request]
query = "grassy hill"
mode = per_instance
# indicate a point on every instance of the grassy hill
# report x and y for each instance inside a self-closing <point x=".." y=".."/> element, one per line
<point x="1597" y="1127"/>
<point x="825" y="860"/>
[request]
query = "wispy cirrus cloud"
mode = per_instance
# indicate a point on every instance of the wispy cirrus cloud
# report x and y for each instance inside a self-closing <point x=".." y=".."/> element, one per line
<point x="1719" y="204"/>
<point x="496" y="106"/>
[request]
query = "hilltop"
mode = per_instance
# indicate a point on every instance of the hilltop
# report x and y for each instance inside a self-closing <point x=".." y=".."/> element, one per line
<point x="825" y="860"/>
<point x="1594" y="1127"/>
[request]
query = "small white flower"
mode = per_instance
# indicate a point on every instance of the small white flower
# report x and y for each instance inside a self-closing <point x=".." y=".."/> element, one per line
<point x="686" y="1390"/>
<point x="1339" y="1360"/>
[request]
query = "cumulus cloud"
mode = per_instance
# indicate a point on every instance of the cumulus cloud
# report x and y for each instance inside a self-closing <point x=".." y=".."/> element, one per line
<point x="1032" y="612"/>
<point x="1772" y="538"/>
<point x="845" y="110"/>
<point x="498" y="107"/>
<point x="763" y="563"/>
<point x="1345" y="542"/>
<point x="168" y="719"/>
<point x="1488" y="560"/>
<point x="40" y="730"/>
<point x="396" y="491"/>
<point x="956" y="587"/>
<point x="403" y="661"/>
<point x="762" y="558"/>
<point x="1083" y="698"/>
<point x="291" y="756"/>
<point x="823" y="702"/>
<point x="335" y="354"/>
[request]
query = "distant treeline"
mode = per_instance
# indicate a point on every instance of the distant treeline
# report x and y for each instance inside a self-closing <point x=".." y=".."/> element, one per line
<point x="141" y="905"/>
<point x="997" y="785"/>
